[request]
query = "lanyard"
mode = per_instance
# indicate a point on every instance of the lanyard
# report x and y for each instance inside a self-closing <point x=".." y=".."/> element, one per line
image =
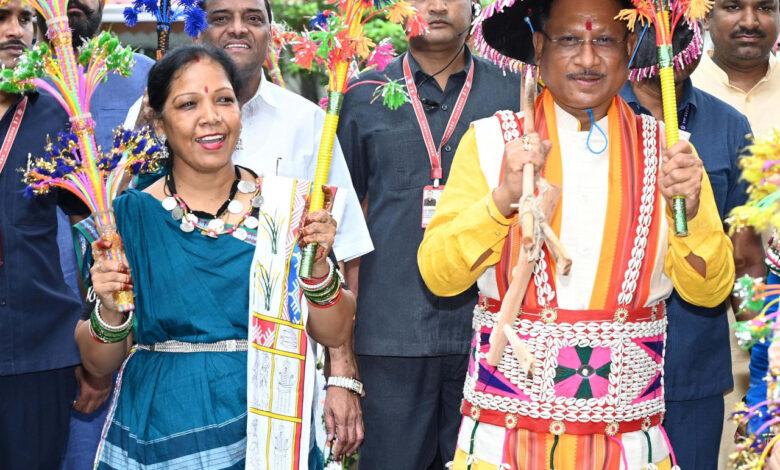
<point x="686" y="114"/>
<point x="434" y="153"/>
<point x="12" y="131"/>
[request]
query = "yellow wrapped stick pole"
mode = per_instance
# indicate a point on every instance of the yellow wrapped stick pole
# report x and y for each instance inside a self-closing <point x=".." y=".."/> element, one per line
<point x="669" y="99"/>
<point x="339" y="43"/>
<point x="665" y="16"/>
<point x="324" y="158"/>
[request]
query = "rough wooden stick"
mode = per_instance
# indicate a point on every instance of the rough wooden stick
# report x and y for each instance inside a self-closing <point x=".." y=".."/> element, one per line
<point x="510" y="307"/>
<point x="527" y="105"/>
<point x="523" y="355"/>
<point x="513" y="300"/>
<point x="527" y="216"/>
<point x="562" y="258"/>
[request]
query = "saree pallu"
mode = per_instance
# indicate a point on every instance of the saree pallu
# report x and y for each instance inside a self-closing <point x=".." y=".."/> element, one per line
<point x="190" y="410"/>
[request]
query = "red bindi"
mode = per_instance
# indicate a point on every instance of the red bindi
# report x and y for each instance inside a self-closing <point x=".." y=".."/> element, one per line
<point x="206" y="89"/>
<point x="588" y="25"/>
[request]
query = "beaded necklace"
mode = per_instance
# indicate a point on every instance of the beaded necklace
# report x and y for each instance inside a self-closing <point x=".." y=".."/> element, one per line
<point x="212" y="225"/>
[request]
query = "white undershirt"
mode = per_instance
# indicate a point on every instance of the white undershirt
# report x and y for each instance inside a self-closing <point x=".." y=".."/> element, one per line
<point x="584" y="207"/>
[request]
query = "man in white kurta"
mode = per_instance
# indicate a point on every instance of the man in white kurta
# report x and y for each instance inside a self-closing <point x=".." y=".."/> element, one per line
<point x="596" y="333"/>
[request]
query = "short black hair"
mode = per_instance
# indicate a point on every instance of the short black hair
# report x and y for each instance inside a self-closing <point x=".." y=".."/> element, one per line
<point x="162" y="73"/>
<point x="202" y="5"/>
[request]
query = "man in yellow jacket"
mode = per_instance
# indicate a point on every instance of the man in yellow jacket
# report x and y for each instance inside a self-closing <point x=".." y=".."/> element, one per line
<point x="597" y="333"/>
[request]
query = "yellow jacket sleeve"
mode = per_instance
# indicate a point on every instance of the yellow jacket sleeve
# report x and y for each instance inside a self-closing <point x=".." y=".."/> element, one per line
<point x="706" y="240"/>
<point x="466" y="228"/>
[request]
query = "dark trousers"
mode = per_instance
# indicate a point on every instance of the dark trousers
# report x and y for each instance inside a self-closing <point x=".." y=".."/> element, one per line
<point x="34" y="418"/>
<point x="411" y="411"/>
<point x="694" y="428"/>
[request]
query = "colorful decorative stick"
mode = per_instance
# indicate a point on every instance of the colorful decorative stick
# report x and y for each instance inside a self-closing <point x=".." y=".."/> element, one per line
<point x="166" y="12"/>
<point x="75" y="162"/>
<point x="753" y="449"/>
<point x="665" y="15"/>
<point x="280" y="37"/>
<point x="761" y="169"/>
<point x="339" y="44"/>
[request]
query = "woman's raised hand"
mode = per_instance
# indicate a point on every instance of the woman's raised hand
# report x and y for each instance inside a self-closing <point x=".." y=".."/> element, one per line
<point x="320" y="227"/>
<point x="108" y="276"/>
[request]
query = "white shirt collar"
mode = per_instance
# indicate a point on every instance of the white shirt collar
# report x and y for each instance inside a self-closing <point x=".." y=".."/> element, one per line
<point x="264" y="92"/>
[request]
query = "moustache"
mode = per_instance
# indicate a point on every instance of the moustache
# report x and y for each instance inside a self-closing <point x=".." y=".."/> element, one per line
<point x="585" y="74"/>
<point x="747" y="32"/>
<point x="13" y="42"/>
<point x="77" y="4"/>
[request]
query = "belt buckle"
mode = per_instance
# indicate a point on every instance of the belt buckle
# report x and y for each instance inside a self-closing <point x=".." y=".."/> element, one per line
<point x="231" y="345"/>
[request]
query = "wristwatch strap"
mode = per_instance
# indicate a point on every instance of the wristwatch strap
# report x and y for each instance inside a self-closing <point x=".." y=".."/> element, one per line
<point x="353" y="385"/>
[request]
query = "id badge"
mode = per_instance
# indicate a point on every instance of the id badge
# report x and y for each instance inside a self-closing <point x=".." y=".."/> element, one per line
<point x="430" y="200"/>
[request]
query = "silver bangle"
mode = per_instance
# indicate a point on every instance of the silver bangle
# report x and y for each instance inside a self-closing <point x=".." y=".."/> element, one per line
<point x="321" y="285"/>
<point x="114" y="329"/>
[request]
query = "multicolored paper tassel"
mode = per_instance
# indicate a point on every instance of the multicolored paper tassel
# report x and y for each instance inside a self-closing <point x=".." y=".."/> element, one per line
<point x="75" y="163"/>
<point x="752" y="450"/>
<point x="338" y="44"/>
<point x="280" y="38"/>
<point x="167" y="12"/>
<point x="761" y="169"/>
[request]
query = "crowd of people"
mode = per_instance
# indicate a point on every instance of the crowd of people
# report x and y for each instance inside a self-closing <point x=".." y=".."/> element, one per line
<point x="418" y="247"/>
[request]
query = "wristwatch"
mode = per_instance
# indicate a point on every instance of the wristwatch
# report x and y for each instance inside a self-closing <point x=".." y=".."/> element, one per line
<point x="353" y="385"/>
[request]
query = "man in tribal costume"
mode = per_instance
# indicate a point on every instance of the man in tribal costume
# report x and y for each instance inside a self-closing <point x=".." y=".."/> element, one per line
<point x="597" y="333"/>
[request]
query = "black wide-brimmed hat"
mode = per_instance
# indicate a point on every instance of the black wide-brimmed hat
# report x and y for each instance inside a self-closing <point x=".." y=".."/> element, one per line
<point x="687" y="44"/>
<point x="504" y="32"/>
<point x="504" y="35"/>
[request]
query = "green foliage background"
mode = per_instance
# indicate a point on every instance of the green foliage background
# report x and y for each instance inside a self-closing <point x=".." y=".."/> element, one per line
<point x="297" y="15"/>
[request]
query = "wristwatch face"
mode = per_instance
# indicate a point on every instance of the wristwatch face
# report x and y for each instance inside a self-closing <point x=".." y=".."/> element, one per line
<point x="357" y="386"/>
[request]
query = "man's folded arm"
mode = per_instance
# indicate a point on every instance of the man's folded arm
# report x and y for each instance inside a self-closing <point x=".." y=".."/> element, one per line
<point x="707" y="241"/>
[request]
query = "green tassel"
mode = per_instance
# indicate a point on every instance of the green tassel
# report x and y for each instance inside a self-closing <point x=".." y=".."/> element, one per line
<point x="471" y="446"/>
<point x="393" y="94"/>
<point x="552" y="452"/>
<point x="649" y="448"/>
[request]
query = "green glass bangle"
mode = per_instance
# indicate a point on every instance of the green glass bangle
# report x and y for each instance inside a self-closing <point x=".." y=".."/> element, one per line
<point x="105" y="335"/>
<point x="328" y="292"/>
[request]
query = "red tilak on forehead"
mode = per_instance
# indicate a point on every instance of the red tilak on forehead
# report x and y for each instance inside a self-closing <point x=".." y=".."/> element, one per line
<point x="588" y="25"/>
<point x="206" y="90"/>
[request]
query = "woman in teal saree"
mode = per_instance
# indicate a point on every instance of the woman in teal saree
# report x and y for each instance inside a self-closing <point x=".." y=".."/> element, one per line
<point x="203" y="271"/>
